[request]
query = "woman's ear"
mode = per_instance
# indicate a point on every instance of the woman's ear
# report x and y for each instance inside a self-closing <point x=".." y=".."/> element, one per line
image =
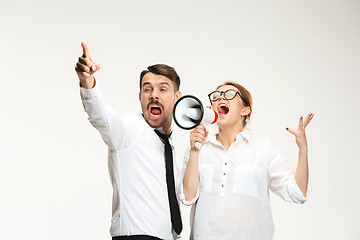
<point x="245" y="111"/>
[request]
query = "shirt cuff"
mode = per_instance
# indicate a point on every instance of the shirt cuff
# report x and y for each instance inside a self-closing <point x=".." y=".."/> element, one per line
<point x="296" y="194"/>
<point x="89" y="93"/>
<point x="182" y="196"/>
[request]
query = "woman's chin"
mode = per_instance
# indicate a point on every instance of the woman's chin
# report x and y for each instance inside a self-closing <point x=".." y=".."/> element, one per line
<point x="222" y="122"/>
<point x="226" y="123"/>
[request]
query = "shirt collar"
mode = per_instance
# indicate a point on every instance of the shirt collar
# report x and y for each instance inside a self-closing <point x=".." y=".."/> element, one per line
<point x="243" y="135"/>
<point x="159" y="129"/>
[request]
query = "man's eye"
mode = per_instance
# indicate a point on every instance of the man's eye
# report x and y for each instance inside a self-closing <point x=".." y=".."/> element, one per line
<point x="163" y="89"/>
<point x="147" y="90"/>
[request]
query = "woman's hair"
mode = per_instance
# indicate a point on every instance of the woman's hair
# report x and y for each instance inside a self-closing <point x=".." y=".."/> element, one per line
<point x="245" y="96"/>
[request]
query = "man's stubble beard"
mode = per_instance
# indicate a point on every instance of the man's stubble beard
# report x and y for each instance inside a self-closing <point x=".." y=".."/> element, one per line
<point x="163" y="123"/>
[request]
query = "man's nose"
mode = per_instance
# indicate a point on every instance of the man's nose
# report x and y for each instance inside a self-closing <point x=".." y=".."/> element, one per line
<point x="154" y="94"/>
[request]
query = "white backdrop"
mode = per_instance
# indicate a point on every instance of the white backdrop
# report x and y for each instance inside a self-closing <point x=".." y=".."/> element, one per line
<point x="294" y="57"/>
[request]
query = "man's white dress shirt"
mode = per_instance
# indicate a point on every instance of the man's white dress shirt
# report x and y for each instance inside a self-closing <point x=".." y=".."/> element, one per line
<point x="232" y="201"/>
<point x="136" y="163"/>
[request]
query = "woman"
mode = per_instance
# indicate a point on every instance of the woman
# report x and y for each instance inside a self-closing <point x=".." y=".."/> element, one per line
<point x="228" y="179"/>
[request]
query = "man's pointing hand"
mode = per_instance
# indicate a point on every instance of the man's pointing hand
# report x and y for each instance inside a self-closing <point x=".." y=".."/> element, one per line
<point x="85" y="68"/>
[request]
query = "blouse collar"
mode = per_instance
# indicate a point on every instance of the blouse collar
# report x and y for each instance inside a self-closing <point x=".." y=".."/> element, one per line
<point x="244" y="135"/>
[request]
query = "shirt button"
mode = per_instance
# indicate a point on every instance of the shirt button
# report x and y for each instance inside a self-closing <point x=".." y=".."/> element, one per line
<point x="222" y="185"/>
<point x="226" y="163"/>
<point x="224" y="174"/>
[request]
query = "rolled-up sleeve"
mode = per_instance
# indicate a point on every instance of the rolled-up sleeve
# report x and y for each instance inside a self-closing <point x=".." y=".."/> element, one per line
<point x="295" y="192"/>
<point x="281" y="178"/>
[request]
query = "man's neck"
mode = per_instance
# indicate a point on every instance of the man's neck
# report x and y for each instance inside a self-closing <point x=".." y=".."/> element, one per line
<point x="166" y="129"/>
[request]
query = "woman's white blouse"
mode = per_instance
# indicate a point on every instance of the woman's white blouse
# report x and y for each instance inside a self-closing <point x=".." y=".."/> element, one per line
<point x="232" y="201"/>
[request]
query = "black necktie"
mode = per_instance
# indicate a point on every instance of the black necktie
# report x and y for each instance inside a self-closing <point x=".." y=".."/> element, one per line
<point x="173" y="203"/>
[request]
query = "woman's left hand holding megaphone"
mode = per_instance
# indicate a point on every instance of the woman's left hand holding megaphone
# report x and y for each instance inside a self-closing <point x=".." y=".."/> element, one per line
<point x="198" y="137"/>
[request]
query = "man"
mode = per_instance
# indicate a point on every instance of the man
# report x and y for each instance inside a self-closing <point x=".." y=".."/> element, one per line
<point x="144" y="206"/>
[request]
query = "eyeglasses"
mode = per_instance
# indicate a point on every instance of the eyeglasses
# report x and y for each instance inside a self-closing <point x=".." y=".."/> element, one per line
<point x="228" y="95"/>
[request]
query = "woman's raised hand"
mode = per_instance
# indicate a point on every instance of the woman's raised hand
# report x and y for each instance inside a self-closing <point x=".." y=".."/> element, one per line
<point x="300" y="135"/>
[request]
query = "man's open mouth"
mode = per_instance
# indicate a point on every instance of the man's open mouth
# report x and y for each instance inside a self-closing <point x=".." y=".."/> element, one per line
<point x="155" y="110"/>
<point x="223" y="109"/>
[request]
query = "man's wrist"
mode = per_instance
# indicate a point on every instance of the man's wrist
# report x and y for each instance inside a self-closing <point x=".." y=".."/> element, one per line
<point x="88" y="84"/>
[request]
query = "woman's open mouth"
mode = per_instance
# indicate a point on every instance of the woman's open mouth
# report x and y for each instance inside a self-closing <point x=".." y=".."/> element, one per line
<point x="223" y="109"/>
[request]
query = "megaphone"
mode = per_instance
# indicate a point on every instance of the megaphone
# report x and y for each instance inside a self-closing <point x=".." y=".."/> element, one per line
<point x="189" y="112"/>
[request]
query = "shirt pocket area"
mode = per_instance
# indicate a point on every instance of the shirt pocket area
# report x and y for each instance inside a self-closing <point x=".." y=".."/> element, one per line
<point x="206" y="176"/>
<point x="246" y="180"/>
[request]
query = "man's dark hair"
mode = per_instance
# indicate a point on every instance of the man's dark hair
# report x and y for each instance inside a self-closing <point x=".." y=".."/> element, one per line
<point x="164" y="70"/>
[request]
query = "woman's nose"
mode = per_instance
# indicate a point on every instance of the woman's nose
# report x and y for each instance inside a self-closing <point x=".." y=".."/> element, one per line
<point x="222" y="97"/>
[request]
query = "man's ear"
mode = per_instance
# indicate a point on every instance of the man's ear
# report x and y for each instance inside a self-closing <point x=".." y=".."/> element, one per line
<point x="140" y="96"/>
<point x="178" y="95"/>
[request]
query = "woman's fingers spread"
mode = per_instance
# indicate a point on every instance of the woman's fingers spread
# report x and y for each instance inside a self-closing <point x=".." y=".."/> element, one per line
<point x="308" y="119"/>
<point x="301" y="122"/>
<point x="290" y="131"/>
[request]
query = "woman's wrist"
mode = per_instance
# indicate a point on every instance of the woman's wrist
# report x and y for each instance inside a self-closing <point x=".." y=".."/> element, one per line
<point x="194" y="152"/>
<point x="303" y="148"/>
